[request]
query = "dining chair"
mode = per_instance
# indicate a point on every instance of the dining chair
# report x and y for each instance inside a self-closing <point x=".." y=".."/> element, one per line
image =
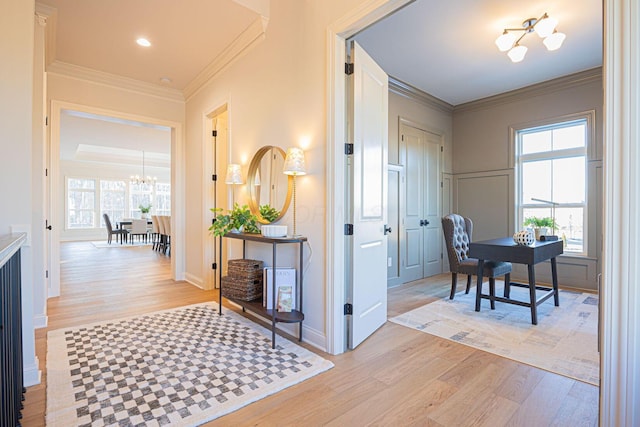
<point x="458" y="232"/>
<point x="139" y="228"/>
<point x="167" y="234"/>
<point x="110" y="231"/>
<point x="155" y="232"/>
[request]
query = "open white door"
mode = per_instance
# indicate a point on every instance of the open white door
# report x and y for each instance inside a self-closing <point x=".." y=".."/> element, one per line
<point x="368" y="91"/>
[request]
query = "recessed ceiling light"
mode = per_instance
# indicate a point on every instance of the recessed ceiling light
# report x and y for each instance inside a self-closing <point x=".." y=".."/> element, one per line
<point x="165" y="80"/>
<point x="143" y="42"/>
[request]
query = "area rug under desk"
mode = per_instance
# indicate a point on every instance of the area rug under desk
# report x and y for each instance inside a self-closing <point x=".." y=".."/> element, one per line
<point x="178" y="367"/>
<point x="564" y="341"/>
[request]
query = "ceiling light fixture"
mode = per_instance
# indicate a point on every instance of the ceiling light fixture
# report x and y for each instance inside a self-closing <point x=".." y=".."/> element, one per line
<point x="143" y="42"/>
<point x="141" y="180"/>
<point x="544" y="26"/>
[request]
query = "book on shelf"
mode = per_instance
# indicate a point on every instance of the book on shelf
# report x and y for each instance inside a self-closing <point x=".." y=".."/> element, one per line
<point x="285" y="300"/>
<point x="284" y="277"/>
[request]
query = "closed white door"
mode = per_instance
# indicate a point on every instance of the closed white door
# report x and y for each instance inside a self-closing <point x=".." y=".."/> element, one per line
<point x="421" y="230"/>
<point x="367" y="247"/>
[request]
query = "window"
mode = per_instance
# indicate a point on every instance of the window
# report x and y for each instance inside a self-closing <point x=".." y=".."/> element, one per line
<point x="552" y="177"/>
<point x="81" y="196"/>
<point x="140" y="194"/>
<point x="113" y="197"/>
<point x="163" y="199"/>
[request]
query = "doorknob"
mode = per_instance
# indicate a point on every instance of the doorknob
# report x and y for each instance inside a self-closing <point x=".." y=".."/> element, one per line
<point x="46" y="225"/>
<point x="387" y="229"/>
<point x="421" y="222"/>
<point x="426" y="222"/>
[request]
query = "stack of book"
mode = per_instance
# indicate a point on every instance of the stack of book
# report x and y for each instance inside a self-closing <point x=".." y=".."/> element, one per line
<point x="285" y="289"/>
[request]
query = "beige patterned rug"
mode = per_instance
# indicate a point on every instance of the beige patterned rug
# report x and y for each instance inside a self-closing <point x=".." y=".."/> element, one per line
<point x="564" y="341"/>
<point x="179" y="367"/>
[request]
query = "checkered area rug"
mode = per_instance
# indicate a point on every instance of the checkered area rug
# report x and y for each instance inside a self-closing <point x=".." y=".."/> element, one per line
<point x="178" y="367"/>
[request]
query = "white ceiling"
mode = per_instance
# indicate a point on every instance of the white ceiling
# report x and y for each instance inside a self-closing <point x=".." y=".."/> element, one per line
<point x="447" y="49"/>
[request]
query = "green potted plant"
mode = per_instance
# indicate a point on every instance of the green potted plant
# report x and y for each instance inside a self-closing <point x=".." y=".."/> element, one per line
<point x="144" y="209"/>
<point x="239" y="219"/>
<point x="268" y="213"/>
<point x="538" y="223"/>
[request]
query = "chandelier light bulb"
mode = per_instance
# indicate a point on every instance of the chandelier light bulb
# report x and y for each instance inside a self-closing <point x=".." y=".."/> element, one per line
<point x="554" y="41"/>
<point x="517" y="53"/>
<point x="505" y="41"/>
<point x="546" y="26"/>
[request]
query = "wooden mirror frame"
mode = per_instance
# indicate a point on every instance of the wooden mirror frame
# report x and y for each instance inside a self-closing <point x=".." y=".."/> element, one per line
<point x="254" y="166"/>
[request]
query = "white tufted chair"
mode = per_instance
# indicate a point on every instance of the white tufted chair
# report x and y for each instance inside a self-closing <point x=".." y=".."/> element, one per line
<point x="457" y="235"/>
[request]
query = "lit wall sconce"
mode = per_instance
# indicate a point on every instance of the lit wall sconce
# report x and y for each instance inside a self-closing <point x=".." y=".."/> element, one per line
<point x="234" y="177"/>
<point x="544" y="26"/>
<point x="294" y="166"/>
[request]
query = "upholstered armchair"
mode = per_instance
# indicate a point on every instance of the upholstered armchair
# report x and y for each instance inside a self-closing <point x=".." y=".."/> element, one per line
<point x="458" y="231"/>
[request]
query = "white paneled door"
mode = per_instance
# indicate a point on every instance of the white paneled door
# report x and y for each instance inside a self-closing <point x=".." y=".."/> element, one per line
<point x="367" y="247"/>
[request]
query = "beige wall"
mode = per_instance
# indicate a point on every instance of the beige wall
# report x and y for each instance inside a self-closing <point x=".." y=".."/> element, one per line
<point x="484" y="178"/>
<point x="276" y="96"/>
<point x="16" y="88"/>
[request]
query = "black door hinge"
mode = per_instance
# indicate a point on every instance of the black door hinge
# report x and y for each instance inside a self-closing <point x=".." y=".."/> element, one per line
<point x="348" y="149"/>
<point x="348" y="68"/>
<point x="348" y="229"/>
<point x="46" y="121"/>
<point x="46" y="274"/>
<point x="214" y="133"/>
<point x="348" y="309"/>
<point x="213" y="221"/>
<point x="214" y="177"/>
<point x="214" y="266"/>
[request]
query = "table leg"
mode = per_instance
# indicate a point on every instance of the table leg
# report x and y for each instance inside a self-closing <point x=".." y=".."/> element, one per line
<point x="554" y="277"/>
<point x="532" y="294"/>
<point x="479" y="285"/>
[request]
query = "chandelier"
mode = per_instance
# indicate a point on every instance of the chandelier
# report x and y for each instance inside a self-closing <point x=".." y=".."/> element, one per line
<point x="137" y="179"/>
<point x="544" y="26"/>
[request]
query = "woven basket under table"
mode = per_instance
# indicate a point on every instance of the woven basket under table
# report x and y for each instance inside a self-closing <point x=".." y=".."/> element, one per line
<point x="245" y="268"/>
<point x="241" y="288"/>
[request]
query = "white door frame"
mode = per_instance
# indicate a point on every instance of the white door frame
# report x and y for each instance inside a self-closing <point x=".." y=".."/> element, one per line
<point x="337" y="35"/>
<point x="177" y="186"/>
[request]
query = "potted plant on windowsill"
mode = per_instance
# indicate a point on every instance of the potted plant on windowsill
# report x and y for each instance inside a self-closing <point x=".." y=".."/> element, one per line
<point x="238" y="220"/>
<point x="540" y="225"/>
<point x="144" y="210"/>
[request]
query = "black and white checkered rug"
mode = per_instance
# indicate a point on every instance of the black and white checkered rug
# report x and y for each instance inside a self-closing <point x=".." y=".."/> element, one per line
<point x="177" y="367"/>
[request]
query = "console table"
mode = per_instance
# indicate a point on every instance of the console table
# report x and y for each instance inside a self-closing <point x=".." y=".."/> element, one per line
<point x="296" y="315"/>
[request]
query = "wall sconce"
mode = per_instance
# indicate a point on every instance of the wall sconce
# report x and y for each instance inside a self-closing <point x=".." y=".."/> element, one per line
<point x="544" y="26"/>
<point x="294" y="166"/>
<point x="234" y="177"/>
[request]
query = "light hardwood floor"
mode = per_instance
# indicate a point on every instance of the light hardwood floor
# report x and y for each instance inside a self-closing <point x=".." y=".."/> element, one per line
<point x="397" y="377"/>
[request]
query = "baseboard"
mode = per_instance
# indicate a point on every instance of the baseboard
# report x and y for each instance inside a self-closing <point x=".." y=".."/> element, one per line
<point x="40" y="321"/>
<point x="194" y="280"/>
<point x="32" y="374"/>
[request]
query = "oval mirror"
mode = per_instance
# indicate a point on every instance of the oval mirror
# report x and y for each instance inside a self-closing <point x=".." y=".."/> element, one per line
<point x="269" y="188"/>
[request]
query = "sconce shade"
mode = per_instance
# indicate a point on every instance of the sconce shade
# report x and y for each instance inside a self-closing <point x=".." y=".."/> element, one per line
<point x="554" y="41"/>
<point x="505" y="41"/>
<point x="294" y="162"/>
<point x="234" y="174"/>
<point x="517" y="53"/>
<point x="545" y="26"/>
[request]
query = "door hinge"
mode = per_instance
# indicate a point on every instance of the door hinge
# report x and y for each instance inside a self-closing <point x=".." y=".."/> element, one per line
<point x="214" y="266"/>
<point x="402" y="138"/>
<point x="214" y="177"/>
<point x="441" y="148"/>
<point x="441" y="184"/>
<point x="46" y="121"/>
<point x="46" y="274"/>
<point x="348" y="229"/>
<point x="348" y="68"/>
<point x="213" y="221"/>
<point x="348" y="149"/>
<point x="214" y="133"/>
<point x="348" y="309"/>
<point x="46" y="172"/>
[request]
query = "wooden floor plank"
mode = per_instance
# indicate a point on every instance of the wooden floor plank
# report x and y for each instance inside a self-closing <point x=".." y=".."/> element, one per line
<point x="398" y="376"/>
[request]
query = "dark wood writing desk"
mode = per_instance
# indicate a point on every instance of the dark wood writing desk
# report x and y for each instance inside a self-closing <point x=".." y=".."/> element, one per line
<point x="505" y="249"/>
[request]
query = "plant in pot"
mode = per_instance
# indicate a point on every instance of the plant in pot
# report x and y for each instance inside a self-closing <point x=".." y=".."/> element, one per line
<point x="145" y="209"/>
<point x="238" y="220"/>
<point x="268" y="213"/>
<point x="540" y="223"/>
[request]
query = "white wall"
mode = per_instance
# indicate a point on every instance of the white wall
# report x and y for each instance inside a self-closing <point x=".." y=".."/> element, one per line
<point x="16" y="88"/>
<point x="276" y="96"/>
<point x="484" y="169"/>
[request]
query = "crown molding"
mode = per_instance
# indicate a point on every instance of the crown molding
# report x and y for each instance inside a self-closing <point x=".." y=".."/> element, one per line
<point x="111" y="80"/>
<point x="254" y="34"/>
<point x="50" y="14"/>
<point x="561" y="83"/>
<point x="403" y="89"/>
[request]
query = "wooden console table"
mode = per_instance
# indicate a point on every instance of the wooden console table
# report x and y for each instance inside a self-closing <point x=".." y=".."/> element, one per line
<point x="296" y="315"/>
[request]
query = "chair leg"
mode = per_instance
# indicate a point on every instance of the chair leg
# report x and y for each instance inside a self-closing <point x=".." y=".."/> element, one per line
<point x="507" y="285"/>
<point x="468" y="283"/>
<point x="454" y="283"/>
<point x="492" y="292"/>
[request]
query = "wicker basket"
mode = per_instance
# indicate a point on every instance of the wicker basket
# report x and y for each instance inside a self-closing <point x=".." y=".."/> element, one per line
<point x="242" y="288"/>
<point x="245" y="268"/>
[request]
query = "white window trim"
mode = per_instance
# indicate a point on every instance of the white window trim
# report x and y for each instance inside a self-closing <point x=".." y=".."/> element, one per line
<point x="96" y="194"/>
